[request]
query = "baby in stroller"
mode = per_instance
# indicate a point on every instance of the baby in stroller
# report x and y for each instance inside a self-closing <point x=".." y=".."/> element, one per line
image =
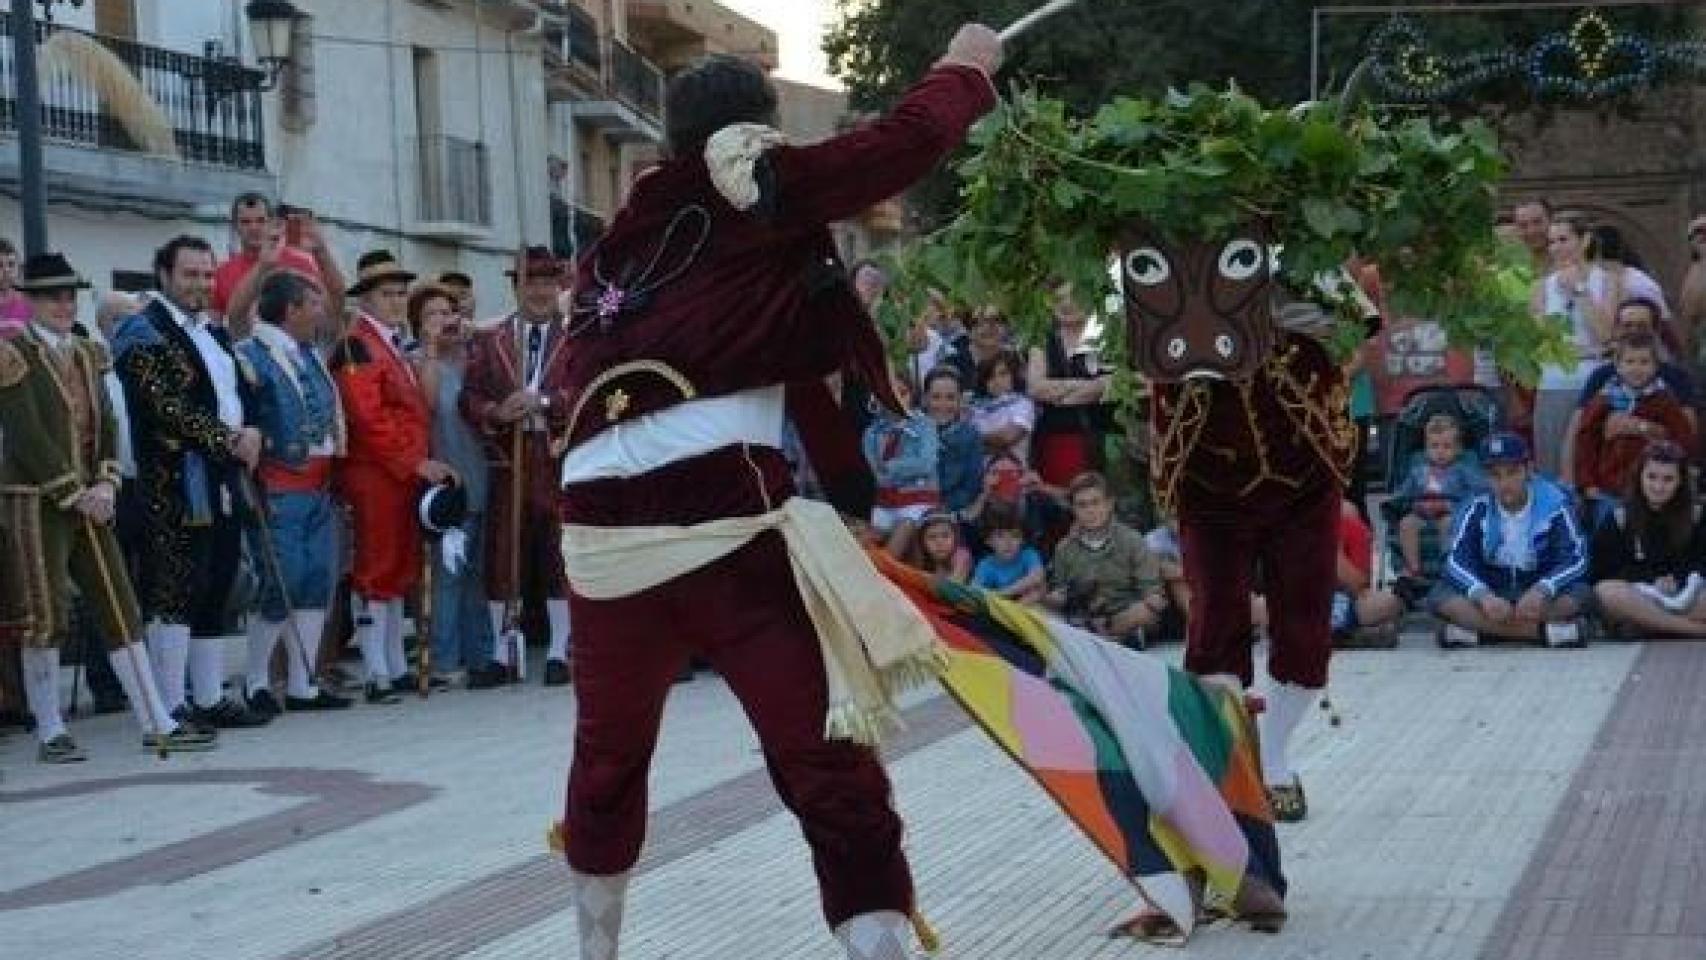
<point x="1433" y="488"/>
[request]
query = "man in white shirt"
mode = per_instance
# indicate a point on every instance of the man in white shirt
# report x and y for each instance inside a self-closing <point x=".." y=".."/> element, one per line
<point x="191" y="448"/>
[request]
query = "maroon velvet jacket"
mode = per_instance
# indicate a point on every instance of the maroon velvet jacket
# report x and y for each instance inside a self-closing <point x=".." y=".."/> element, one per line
<point x="1285" y="432"/>
<point x="765" y="299"/>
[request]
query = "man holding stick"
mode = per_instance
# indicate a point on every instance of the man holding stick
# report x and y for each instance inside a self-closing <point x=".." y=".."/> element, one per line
<point x="61" y="446"/>
<point x="515" y="397"/>
<point x="295" y="407"/>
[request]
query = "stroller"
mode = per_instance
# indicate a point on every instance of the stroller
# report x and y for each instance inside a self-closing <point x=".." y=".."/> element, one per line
<point x="1477" y="411"/>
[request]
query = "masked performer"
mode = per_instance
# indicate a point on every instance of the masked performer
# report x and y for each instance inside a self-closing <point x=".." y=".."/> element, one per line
<point x="1254" y="448"/>
<point x="714" y="305"/>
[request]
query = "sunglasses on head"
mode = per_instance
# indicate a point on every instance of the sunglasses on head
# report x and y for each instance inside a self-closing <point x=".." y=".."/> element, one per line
<point x="1666" y="452"/>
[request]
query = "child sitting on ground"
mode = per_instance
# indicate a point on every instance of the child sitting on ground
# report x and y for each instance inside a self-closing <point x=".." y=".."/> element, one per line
<point x="1103" y="577"/>
<point x="1012" y="568"/>
<point x="939" y="552"/>
<point x="903" y="452"/>
<point x="1636" y="408"/>
<point x="1434" y="488"/>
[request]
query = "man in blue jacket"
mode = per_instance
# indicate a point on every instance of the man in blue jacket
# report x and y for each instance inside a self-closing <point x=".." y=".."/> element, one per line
<point x="1518" y="561"/>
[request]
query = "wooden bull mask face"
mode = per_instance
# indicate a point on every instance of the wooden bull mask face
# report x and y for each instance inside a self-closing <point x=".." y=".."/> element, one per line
<point x="1199" y="308"/>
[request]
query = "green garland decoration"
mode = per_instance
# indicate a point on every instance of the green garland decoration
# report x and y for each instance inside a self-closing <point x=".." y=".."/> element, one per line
<point x="1048" y="197"/>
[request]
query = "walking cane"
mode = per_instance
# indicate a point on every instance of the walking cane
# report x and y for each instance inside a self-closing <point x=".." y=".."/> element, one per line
<point x="423" y="628"/>
<point x="269" y="557"/>
<point x="130" y="646"/>
<point x="512" y="615"/>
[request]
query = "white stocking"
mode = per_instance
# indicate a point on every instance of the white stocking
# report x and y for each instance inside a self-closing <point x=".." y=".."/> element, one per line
<point x="1288" y="704"/>
<point x="370" y="637"/>
<point x="207" y="670"/>
<point x="41" y="689"/>
<point x="598" y="912"/>
<point x="263" y="640"/>
<point x="558" y="611"/>
<point x="169" y="648"/>
<point x="303" y="646"/>
<point x="396" y="661"/>
<point x="130" y="666"/>
<point x="884" y="935"/>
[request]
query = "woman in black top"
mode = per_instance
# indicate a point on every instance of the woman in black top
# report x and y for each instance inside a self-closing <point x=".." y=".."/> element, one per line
<point x="1648" y="554"/>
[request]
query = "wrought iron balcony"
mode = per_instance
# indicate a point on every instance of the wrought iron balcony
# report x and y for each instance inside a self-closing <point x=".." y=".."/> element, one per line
<point x="636" y="80"/>
<point x="212" y="105"/>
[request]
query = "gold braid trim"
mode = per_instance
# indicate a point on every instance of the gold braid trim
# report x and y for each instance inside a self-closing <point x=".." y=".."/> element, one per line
<point x="1326" y="425"/>
<point x="1179" y="436"/>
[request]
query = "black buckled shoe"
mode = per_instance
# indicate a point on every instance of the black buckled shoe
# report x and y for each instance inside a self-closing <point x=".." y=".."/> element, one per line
<point x="193" y="721"/>
<point x="556" y="673"/>
<point x="380" y="695"/>
<point x="228" y="714"/>
<point x="263" y="703"/>
<point x="489" y="677"/>
<point x="323" y="700"/>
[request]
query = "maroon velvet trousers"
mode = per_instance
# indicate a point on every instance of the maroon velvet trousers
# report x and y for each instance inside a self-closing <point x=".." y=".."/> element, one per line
<point x="743" y="615"/>
<point x="1294" y="535"/>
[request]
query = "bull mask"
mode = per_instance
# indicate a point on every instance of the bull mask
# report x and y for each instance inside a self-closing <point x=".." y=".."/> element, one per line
<point x="1199" y="308"/>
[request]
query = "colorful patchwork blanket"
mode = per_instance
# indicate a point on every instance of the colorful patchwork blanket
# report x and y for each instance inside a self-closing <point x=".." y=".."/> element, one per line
<point x="1159" y="770"/>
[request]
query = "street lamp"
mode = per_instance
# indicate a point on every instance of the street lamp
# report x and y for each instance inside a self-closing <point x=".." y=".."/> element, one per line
<point x="271" y="23"/>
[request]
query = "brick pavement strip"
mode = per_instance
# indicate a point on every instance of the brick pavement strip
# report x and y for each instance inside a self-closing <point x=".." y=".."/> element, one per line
<point x="486" y="909"/>
<point x="337" y="799"/>
<point x="1621" y="869"/>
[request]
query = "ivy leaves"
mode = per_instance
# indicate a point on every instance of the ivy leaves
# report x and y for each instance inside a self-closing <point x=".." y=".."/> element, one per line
<point x="1047" y="198"/>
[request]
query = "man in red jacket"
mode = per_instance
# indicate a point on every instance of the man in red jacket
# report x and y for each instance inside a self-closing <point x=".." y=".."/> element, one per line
<point x="714" y="307"/>
<point x="385" y="468"/>
<point x="513" y="394"/>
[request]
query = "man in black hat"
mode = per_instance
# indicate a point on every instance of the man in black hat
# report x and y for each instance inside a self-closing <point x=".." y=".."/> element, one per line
<point x="514" y="395"/>
<point x="61" y="472"/>
<point x="185" y="402"/>
<point x="385" y="466"/>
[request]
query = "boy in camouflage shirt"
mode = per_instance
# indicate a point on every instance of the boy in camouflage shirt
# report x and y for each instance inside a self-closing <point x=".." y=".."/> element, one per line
<point x="1103" y="576"/>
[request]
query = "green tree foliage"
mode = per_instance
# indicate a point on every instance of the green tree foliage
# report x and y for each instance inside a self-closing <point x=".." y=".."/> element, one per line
<point x="1083" y="57"/>
<point x="1049" y="196"/>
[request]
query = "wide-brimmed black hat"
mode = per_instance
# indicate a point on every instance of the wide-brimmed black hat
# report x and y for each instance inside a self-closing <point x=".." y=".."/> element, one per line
<point x="535" y="261"/>
<point x="376" y="267"/>
<point x="45" y="272"/>
<point x="443" y="508"/>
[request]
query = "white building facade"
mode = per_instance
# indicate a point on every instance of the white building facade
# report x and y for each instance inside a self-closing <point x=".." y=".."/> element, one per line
<point x="418" y="126"/>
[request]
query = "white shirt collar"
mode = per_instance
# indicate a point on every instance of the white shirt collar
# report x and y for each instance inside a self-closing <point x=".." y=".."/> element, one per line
<point x="391" y="335"/>
<point x="53" y="339"/>
<point x="184" y="318"/>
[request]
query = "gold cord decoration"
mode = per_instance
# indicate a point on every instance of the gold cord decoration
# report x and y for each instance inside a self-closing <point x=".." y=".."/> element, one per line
<point x="1179" y="435"/>
<point x="1324" y="424"/>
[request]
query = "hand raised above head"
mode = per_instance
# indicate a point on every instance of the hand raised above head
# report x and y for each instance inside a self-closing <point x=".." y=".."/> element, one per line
<point x="975" y="45"/>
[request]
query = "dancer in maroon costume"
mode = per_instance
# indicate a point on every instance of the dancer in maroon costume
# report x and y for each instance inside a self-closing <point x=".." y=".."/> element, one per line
<point x="715" y="303"/>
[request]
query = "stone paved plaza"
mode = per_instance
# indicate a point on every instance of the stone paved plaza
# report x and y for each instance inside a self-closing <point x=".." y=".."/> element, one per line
<point x="1502" y="803"/>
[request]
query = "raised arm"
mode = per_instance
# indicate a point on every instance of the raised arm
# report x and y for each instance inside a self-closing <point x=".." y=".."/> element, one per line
<point x="840" y="177"/>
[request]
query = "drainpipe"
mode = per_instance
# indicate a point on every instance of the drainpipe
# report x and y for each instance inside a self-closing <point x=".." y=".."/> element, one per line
<point x="515" y="124"/>
<point x="389" y="47"/>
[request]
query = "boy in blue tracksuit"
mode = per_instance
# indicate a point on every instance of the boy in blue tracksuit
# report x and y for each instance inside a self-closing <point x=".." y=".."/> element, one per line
<point x="1518" y="561"/>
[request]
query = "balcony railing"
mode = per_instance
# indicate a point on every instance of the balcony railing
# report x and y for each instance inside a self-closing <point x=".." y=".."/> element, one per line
<point x="455" y="181"/>
<point x="572" y="39"/>
<point x="583" y="46"/>
<point x="213" y="106"/>
<point x="635" y="80"/>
